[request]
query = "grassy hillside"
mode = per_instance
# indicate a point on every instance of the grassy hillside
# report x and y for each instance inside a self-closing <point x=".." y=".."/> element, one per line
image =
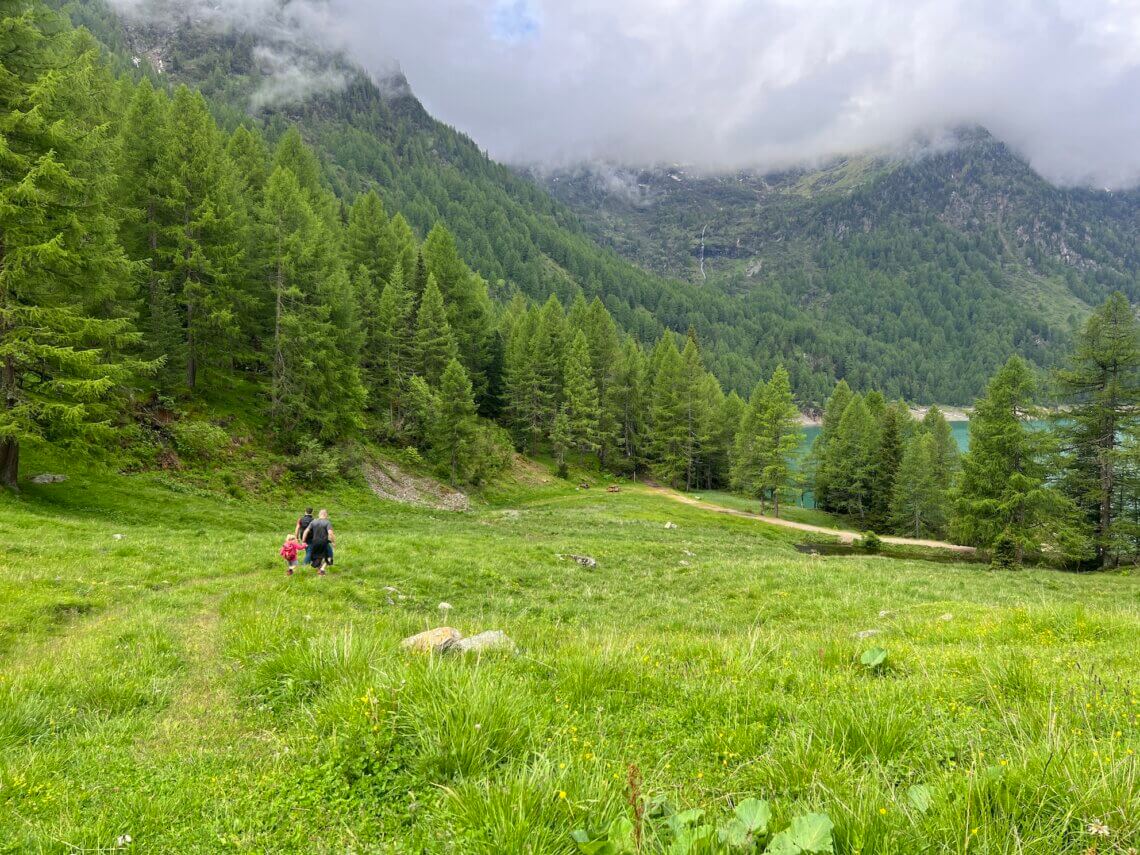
<point x="173" y="685"/>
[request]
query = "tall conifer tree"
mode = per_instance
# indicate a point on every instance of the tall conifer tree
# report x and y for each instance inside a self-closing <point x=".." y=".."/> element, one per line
<point x="62" y="272"/>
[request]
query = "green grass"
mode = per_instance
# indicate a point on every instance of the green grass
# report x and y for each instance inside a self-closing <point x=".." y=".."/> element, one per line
<point x="174" y="686"/>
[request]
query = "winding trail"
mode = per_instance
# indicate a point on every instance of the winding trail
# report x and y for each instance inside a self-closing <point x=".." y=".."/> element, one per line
<point x="843" y="535"/>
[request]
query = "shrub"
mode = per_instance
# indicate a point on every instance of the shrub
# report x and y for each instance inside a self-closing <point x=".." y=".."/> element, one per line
<point x="199" y="440"/>
<point x="872" y="542"/>
<point x="313" y="463"/>
<point x="1004" y="552"/>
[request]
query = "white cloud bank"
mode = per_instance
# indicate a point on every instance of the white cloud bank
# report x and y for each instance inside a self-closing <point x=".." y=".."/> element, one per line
<point x="722" y="84"/>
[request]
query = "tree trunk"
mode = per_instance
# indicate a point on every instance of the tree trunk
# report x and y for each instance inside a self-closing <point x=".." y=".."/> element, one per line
<point x="9" y="462"/>
<point x="191" y="358"/>
<point x="1107" y="473"/>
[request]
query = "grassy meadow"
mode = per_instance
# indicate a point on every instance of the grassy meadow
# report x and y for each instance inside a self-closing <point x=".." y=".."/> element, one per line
<point x="172" y="691"/>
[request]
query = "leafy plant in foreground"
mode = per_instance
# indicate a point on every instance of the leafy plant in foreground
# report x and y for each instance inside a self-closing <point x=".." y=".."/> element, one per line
<point x="661" y="829"/>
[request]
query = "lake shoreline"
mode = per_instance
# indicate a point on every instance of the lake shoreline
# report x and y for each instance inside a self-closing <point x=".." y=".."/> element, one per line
<point x="952" y="414"/>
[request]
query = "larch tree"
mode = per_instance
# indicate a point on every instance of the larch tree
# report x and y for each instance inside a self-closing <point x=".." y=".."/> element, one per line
<point x="780" y="425"/>
<point x="821" y="458"/>
<point x="63" y="325"/>
<point x="580" y="396"/>
<point x="1004" y="490"/>
<point x="435" y="345"/>
<point x="455" y="425"/>
<point x="204" y="242"/>
<point x="1100" y="389"/>
<point x="918" y="500"/>
<point x="388" y="352"/>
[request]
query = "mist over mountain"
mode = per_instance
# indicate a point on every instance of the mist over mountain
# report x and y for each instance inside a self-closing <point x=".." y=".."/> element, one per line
<point x="722" y="85"/>
<point x="916" y="268"/>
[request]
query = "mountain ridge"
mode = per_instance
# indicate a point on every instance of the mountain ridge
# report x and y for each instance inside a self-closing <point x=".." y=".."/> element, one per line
<point x="919" y="306"/>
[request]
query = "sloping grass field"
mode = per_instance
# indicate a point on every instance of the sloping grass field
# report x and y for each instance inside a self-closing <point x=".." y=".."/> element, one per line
<point x="172" y="691"/>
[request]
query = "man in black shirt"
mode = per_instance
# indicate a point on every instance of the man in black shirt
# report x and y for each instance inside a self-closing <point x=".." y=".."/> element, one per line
<point x="303" y="524"/>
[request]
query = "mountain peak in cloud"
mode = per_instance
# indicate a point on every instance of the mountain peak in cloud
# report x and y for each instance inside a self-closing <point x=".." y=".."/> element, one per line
<point x="769" y="84"/>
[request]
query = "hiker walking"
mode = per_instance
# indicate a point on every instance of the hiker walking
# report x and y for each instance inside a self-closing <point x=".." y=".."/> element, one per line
<point x="319" y="537"/>
<point x="303" y="523"/>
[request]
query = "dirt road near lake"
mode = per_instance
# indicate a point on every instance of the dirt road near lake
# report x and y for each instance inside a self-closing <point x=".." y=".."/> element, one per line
<point x="844" y="536"/>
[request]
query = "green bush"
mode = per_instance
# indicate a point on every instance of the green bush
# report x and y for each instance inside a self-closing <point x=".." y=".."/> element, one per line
<point x="1004" y="552"/>
<point x="199" y="440"/>
<point x="872" y="542"/>
<point x="314" y="464"/>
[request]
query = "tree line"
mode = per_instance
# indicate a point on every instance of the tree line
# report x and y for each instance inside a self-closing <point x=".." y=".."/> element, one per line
<point x="149" y="257"/>
<point x="1052" y="471"/>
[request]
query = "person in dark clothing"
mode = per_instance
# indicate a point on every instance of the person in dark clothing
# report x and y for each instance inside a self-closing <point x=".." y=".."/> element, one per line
<point x="319" y="538"/>
<point x="303" y="524"/>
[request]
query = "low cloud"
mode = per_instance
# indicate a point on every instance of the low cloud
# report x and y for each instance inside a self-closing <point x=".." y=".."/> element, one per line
<point x="725" y="84"/>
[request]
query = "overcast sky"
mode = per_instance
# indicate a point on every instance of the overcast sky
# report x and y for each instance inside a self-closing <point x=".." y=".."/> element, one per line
<point x="767" y="83"/>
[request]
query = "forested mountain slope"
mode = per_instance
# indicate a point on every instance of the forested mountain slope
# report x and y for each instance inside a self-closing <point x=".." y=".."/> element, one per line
<point x="916" y="278"/>
<point x="911" y="273"/>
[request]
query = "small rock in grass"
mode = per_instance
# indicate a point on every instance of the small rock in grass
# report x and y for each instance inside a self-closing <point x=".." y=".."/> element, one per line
<point x="584" y="560"/>
<point x="123" y="841"/>
<point x="689" y="553"/>
<point x="49" y="479"/>
<point x="491" y="641"/>
<point x="444" y="607"/>
<point x="946" y="617"/>
<point x="670" y="525"/>
<point x="885" y="613"/>
<point x="866" y="633"/>
<point x="117" y="537"/>
<point x="431" y="640"/>
<point x="684" y="563"/>
<point x="390" y="592"/>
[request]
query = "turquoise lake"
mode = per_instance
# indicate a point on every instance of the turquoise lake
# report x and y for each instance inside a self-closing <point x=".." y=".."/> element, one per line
<point x="961" y="431"/>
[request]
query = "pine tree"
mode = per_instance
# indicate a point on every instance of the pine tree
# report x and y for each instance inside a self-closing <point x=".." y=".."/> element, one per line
<point x="1004" y="490"/>
<point x="947" y="456"/>
<point x="918" y="500"/>
<point x="434" y="343"/>
<point x="548" y="352"/>
<point x="749" y="451"/>
<point x="389" y="351"/>
<point x="668" y="414"/>
<point x="695" y="413"/>
<point x="315" y="390"/>
<point x="561" y="440"/>
<point x="605" y="349"/>
<point x="782" y="433"/>
<point x="580" y="395"/>
<point x="714" y="445"/>
<point x="626" y="400"/>
<point x="368" y="240"/>
<point x="821" y="458"/>
<point x="850" y="457"/>
<point x="466" y="301"/>
<point x="250" y="156"/>
<point x="405" y="250"/>
<point x="144" y="142"/>
<point x="203" y="245"/>
<point x="1101" y="391"/>
<point x="455" y="426"/>
<point x="62" y="271"/>
<point x="885" y="466"/>
<point x="525" y="393"/>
